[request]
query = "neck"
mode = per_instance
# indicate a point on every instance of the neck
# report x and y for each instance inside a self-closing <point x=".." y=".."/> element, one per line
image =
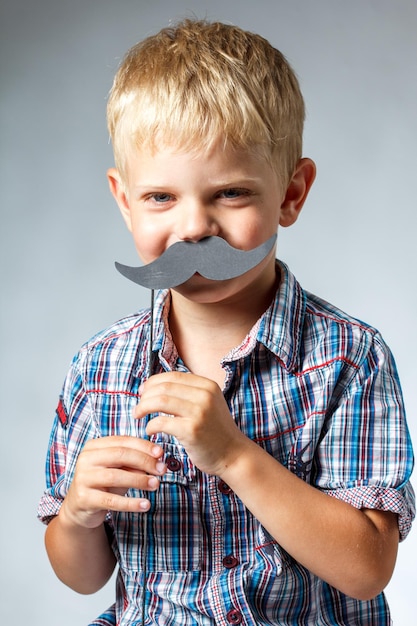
<point x="214" y="328"/>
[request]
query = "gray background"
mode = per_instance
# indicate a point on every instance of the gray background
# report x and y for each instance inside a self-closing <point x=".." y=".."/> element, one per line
<point x="354" y="244"/>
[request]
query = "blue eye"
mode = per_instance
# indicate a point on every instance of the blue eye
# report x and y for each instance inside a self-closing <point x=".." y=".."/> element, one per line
<point x="233" y="193"/>
<point x="161" y="197"/>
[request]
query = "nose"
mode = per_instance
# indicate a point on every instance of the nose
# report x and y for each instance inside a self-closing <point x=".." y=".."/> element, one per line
<point x="196" y="221"/>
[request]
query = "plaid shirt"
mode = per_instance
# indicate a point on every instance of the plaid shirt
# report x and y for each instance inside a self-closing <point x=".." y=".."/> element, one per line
<point x="314" y="387"/>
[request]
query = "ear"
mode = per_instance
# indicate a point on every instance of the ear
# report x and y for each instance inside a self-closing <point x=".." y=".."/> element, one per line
<point x="118" y="189"/>
<point x="297" y="191"/>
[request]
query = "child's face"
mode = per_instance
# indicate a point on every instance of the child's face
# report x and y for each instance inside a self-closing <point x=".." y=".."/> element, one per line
<point x="172" y="196"/>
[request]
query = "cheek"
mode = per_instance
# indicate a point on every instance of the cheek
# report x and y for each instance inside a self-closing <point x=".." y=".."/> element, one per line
<point x="253" y="233"/>
<point x="149" y="238"/>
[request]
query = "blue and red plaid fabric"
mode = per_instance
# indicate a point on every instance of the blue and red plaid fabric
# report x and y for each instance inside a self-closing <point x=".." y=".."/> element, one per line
<point x="317" y="389"/>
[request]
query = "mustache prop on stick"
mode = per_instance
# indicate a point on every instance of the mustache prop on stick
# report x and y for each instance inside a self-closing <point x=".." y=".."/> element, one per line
<point x="214" y="259"/>
<point x="211" y="257"/>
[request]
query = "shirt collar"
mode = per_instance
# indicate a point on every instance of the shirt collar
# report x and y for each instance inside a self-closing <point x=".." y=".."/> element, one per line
<point x="280" y="328"/>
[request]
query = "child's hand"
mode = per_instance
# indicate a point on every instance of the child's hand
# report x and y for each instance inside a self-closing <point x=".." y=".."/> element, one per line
<point x="194" y="411"/>
<point x="106" y="468"/>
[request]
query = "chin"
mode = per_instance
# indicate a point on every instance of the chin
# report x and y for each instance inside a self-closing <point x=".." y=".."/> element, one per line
<point x="200" y="290"/>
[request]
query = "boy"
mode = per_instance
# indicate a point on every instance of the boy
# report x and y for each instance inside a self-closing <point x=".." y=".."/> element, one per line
<point x="261" y="476"/>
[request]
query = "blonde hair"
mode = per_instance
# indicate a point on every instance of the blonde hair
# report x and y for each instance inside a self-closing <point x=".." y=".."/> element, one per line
<point x="197" y="82"/>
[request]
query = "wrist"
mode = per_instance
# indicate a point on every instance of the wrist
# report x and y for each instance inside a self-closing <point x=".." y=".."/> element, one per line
<point x="81" y="525"/>
<point x="238" y="464"/>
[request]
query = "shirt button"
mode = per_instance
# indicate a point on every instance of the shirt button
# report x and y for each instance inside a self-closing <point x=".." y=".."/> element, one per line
<point x="234" y="616"/>
<point x="224" y="488"/>
<point x="230" y="561"/>
<point x="173" y="464"/>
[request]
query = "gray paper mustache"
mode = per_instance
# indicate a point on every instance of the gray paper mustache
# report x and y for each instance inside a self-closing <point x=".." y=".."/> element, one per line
<point x="211" y="257"/>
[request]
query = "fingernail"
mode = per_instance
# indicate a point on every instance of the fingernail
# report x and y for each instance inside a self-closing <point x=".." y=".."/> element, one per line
<point x="145" y="505"/>
<point x="153" y="482"/>
<point x="156" y="451"/>
<point x="160" y="467"/>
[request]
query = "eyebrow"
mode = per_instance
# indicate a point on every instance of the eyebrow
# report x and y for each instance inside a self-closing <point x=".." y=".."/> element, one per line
<point x="227" y="182"/>
<point x="235" y="182"/>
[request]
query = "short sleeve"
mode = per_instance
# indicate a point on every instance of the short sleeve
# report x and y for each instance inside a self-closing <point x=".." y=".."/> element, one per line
<point x="72" y="428"/>
<point x="365" y="455"/>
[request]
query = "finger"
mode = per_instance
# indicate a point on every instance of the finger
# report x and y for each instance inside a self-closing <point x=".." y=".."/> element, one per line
<point x="121" y="480"/>
<point x="180" y="378"/>
<point x="177" y="400"/>
<point x="120" y="457"/>
<point x="124" y="441"/>
<point x="168" y="425"/>
<point x="109" y="501"/>
<point x="170" y="406"/>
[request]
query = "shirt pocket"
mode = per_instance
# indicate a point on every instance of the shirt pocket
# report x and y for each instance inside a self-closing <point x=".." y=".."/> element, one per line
<point x="173" y="533"/>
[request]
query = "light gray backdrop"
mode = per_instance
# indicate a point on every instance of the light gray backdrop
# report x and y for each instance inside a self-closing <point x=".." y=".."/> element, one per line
<point x="355" y="243"/>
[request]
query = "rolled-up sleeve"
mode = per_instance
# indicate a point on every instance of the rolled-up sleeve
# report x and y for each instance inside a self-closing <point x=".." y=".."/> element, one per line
<point x="365" y="456"/>
<point x="72" y="427"/>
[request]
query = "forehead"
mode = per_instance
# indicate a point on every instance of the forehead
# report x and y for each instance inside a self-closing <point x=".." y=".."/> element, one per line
<point x="160" y="148"/>
<point x="219" y="162"/>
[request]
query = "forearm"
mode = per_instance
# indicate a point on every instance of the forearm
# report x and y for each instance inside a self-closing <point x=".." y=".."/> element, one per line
<point x="81" y="557"/>
<point x="353" y="550"/>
